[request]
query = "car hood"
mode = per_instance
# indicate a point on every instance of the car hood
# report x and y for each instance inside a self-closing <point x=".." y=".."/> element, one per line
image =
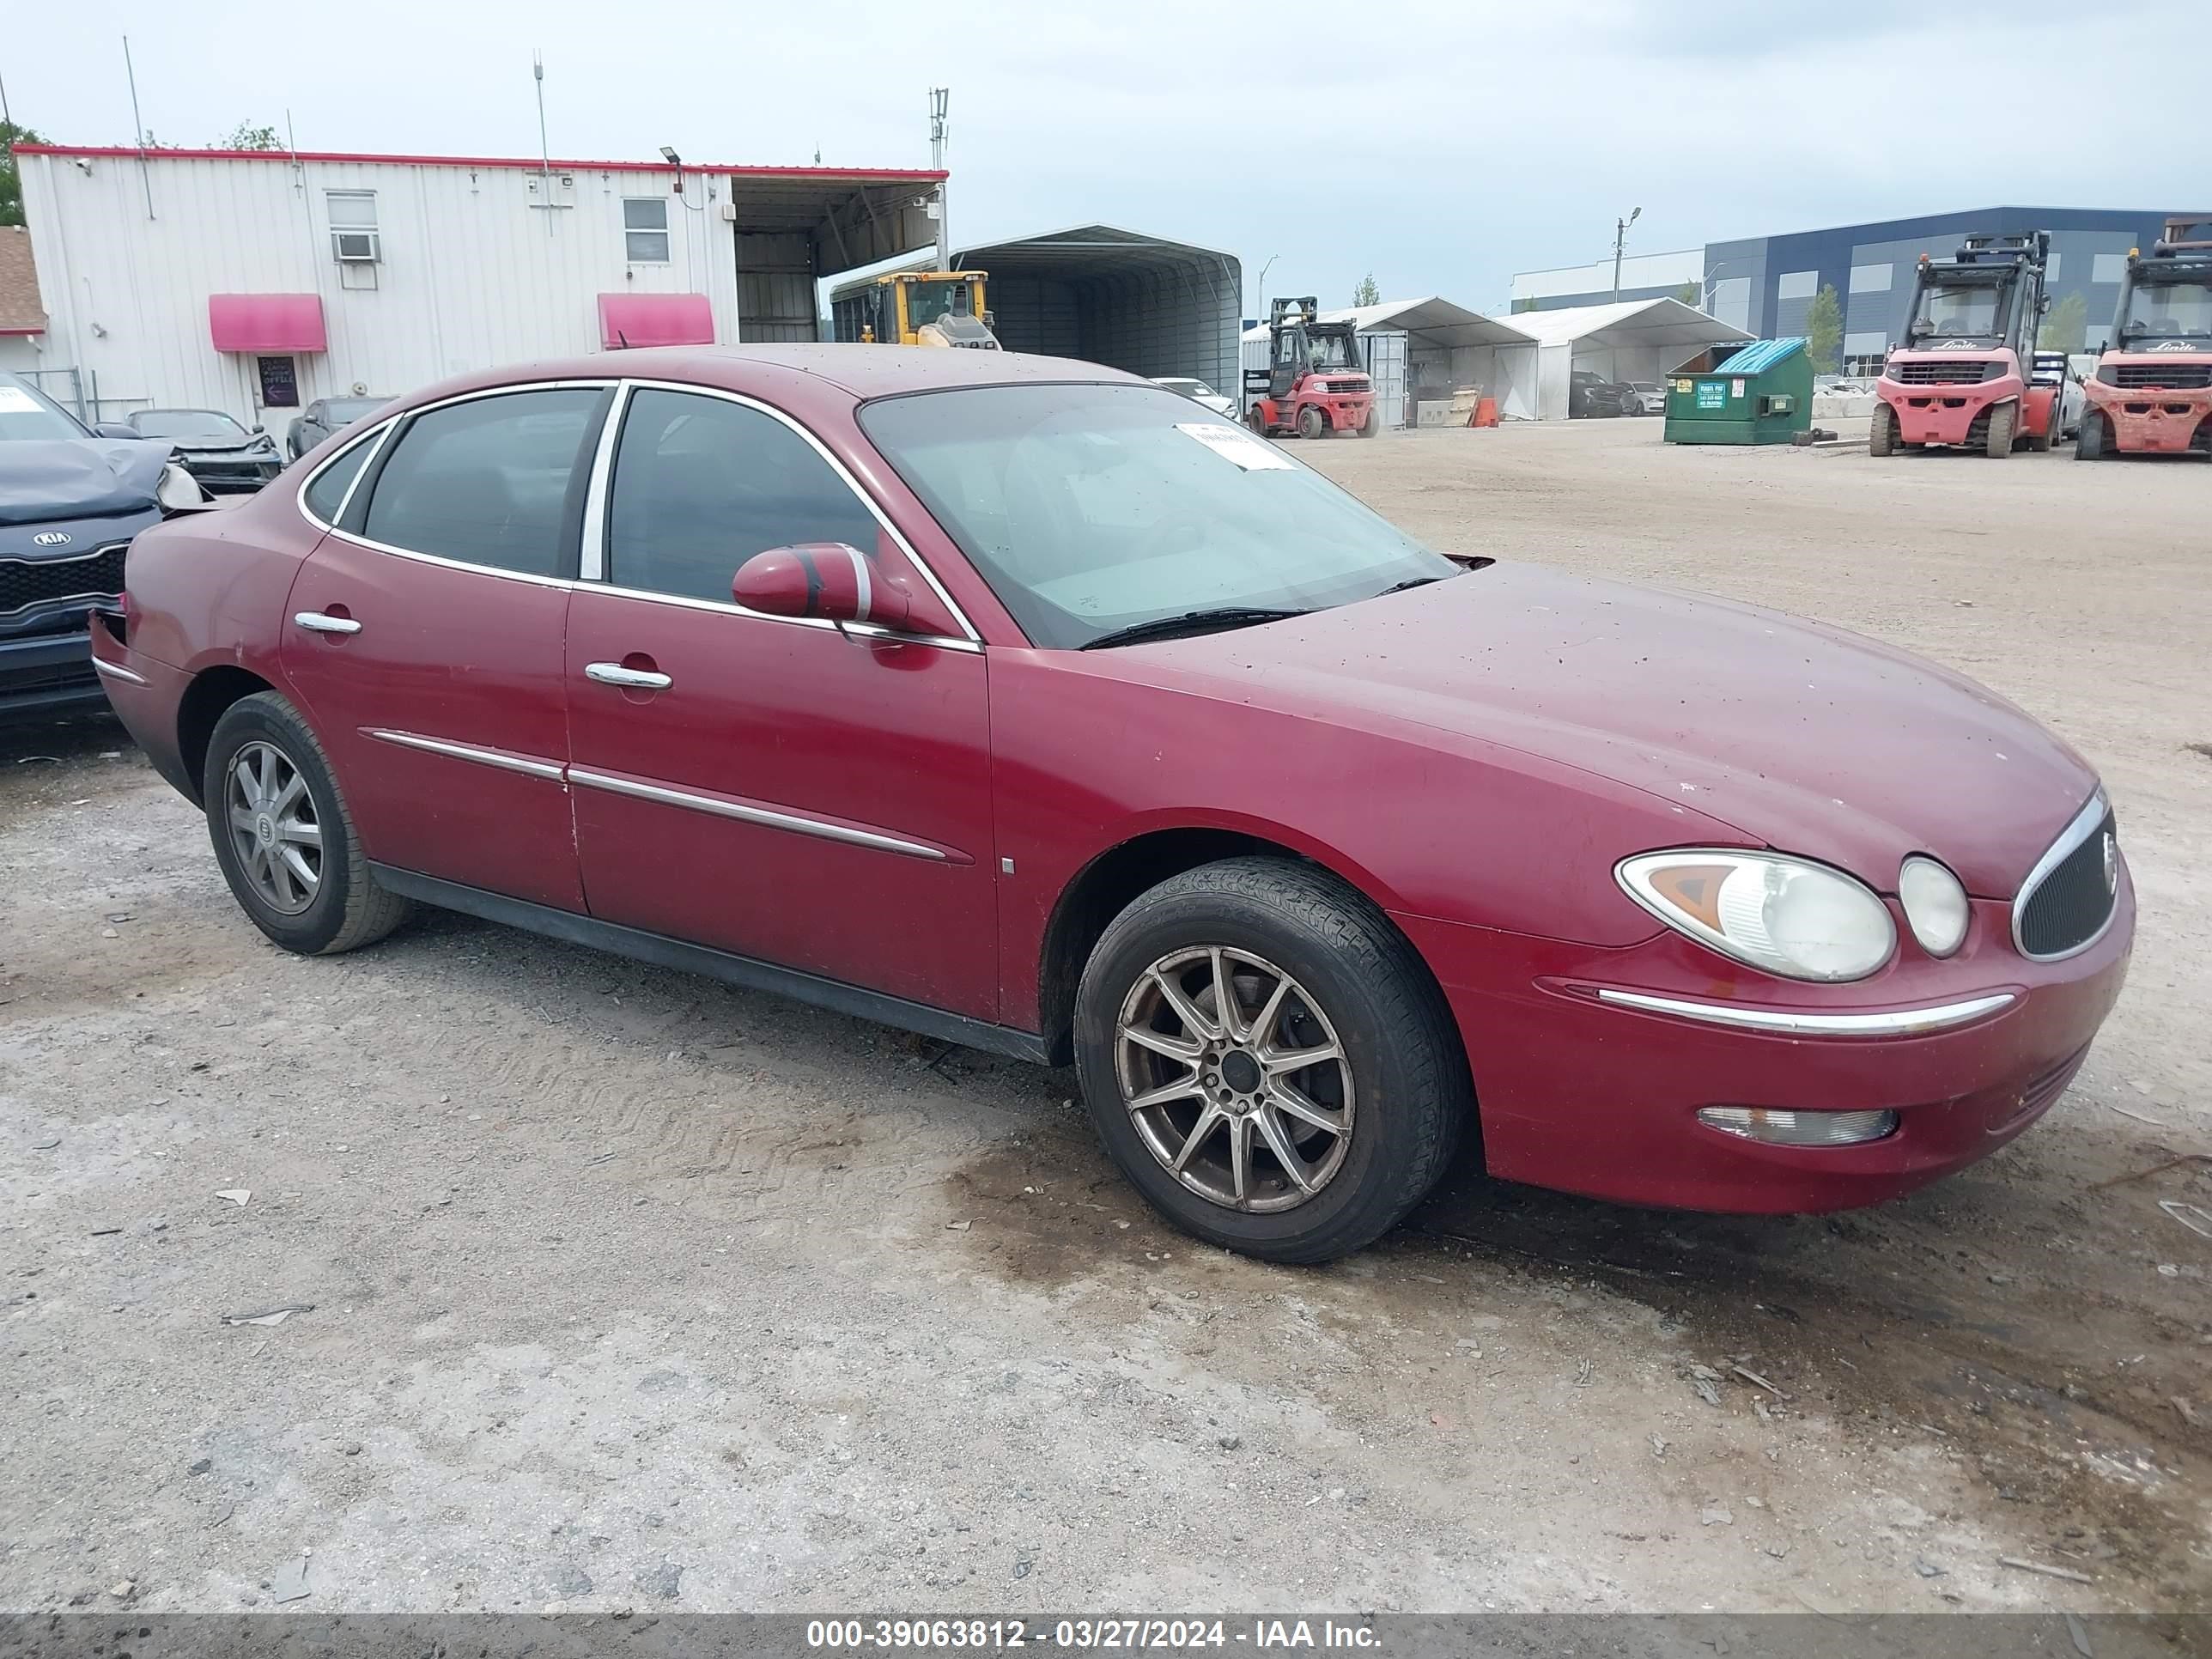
<point x="215" y="446"/>
<point x="77" y="477"/>
<point x="1803" y="737"/>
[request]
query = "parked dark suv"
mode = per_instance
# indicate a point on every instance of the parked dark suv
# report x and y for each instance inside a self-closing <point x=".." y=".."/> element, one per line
<point x="70" y="502"/>
<point x="1590" y="396"/>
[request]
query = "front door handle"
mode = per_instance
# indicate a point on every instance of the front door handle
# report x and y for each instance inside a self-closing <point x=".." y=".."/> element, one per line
<point x="316" y="623"/>
<point x="638" y="679"/>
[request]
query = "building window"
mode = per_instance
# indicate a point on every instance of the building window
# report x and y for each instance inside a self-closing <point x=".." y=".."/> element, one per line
<point x="1796" y="284"/>
<point x="1871" y="279"/>
<point x="2108" y="267"/>
<point x="645" y="230"/>
<point x="355" y="239"/>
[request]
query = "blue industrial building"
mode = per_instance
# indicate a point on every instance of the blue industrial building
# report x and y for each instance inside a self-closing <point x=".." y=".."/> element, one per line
<point x="1765" y="285"/>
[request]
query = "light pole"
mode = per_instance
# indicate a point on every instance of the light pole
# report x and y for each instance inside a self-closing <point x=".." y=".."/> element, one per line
<point x="1260" y="304"/>
<point x="1619" y="243"/>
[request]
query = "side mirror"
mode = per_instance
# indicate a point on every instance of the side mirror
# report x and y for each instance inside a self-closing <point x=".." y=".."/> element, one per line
<point x="115" y="429"/>
<point x="259" y="429"/>
<point x="830" y="581"/>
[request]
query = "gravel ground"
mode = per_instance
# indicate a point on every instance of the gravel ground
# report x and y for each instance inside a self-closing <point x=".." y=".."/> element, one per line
<point x="625" y="1289"/>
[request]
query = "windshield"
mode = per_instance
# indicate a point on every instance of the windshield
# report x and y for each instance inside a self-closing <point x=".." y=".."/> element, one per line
<point x="927" y="302"/>
<point x="1089" y="509"/>
<point x="2170" y="310"/>
<point x="1971" y="308"/>
<point x="1187" y="388"/>
<point x="187" y="423"/>
<point x="25" y="412"/>
<point x="1331" y="351"/>
<point x="341" y="411"/>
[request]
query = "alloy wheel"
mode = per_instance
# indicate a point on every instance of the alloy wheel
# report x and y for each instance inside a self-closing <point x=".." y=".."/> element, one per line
<point x="273" y="828"/>
<point x="1235" y="1079"/>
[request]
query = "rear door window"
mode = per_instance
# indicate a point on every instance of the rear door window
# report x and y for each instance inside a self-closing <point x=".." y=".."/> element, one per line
<point x="494" y="481"/>
<point x="701" y="485"/>
<point x="324" y="496"/>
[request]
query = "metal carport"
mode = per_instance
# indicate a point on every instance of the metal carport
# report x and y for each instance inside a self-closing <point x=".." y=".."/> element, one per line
<point x="1634" y="340"/>
<point x="1116" y="297"/>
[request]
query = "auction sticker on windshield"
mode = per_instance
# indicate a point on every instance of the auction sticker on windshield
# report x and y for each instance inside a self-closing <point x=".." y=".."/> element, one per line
<point x="1233" y="443"/>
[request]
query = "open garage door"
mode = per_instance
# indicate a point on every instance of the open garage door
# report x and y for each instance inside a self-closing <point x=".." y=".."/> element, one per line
<point x="796" y="225"/>
<point x="1116" y="297"/>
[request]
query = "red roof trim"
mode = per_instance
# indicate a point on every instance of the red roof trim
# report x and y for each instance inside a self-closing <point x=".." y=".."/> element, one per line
<point x="826" y="175"/>
<point x="22" y="330"/>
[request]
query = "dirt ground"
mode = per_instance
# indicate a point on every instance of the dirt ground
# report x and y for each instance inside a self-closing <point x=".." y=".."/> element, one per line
<point x="629" y="1289"/>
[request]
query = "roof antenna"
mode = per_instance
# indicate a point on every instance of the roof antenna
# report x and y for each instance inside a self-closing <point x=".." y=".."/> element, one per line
<point x="545" y="155"/>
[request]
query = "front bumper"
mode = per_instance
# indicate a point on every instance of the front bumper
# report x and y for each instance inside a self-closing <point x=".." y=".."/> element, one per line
<point x="1945" y="414"/>
<point x="1598" y="1097"/>
<point x="2152" y="422"/>
<point x="1349" y="412"/>
<point x="47" y="673"/>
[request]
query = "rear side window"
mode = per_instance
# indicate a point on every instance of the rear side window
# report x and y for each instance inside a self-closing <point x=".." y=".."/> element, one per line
<point x="323" y="496"/>
<point x="701" y="485"/>
<point x="486" y="481"/>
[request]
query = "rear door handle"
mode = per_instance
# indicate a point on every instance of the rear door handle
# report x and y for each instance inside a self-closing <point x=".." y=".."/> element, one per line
<point x="613" y="673"/>
<point x="316" y="623"/>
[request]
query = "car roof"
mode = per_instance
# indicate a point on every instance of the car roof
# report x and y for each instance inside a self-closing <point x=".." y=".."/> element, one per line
<point x="862" y="371"/>
<point x="179" y="409"/>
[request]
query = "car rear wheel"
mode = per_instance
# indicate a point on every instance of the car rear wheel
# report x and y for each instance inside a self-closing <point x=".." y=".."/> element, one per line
<point x="284" y="837"/>
<point x="1268" y="1062"/>
<point x="1311" y="423"/>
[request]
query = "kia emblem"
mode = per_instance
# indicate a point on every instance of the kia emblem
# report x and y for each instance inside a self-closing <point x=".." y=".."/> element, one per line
<point x="51" y="538"/>
<point x="2111" y="864"/>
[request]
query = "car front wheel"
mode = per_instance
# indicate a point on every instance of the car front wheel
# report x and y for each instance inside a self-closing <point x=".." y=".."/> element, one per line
<point x="283" y="836"/>
<point x="1267" y="1060"/>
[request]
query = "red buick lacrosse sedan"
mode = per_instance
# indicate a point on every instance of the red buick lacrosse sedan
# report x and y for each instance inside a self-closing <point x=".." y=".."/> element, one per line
<point x="1026" y="704"/>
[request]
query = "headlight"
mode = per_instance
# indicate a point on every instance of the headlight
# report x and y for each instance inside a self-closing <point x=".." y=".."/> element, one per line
<point x="1934" y="904"/>
<point x="1799" y="920"/>
<point x="178" y="490"/>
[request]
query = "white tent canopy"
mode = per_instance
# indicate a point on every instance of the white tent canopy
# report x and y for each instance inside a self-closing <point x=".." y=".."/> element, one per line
<point x="1446" y="346"/>
<point x="1634" y="340"/>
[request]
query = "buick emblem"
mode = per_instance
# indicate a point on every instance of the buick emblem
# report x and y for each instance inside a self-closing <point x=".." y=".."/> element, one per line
<point x="2111" y="864"/>
<point x="51" y="538"/>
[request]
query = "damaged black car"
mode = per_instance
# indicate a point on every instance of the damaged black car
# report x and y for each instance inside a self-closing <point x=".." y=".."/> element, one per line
<point x="69" y="503"/>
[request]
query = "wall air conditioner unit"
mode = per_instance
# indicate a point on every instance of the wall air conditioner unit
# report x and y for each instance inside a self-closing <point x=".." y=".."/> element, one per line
<point x="357" y="247"/>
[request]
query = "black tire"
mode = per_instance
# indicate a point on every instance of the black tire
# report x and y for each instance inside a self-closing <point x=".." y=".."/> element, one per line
<point x="347" y="909"/>
<point x="2091" y="438"/>
<point x="1372" y="426"/>
<point x="1257" y="420"/>
<point x="1410" y="1091"/>
<point x="1312" y="424"/>
<point x="1881" y="430"/>
<point x="2003" y="427"/>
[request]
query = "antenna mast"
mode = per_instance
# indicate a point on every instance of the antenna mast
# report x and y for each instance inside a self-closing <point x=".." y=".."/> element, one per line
<point x="940" y="98"/>
<point x="545" y="155"/>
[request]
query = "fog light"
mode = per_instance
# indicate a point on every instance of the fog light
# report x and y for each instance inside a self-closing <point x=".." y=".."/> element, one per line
<point x="1798" y="1128"/>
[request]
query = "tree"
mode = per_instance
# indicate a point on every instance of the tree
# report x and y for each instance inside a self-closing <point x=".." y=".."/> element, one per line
<point x="2067" y="327"/>
<point x="1689" y="296"/>
<point x="245" y="136"/>
<point x="11" y="182"/>
<point x="1824" y="330"/>
<point x="1367" y="294"/>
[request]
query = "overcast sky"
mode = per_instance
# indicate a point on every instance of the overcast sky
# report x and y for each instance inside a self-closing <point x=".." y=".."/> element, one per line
<point x="1442" y="145"/>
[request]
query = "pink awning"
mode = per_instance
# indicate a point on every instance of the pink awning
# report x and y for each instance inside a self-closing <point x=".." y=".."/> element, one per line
<point x="267" y="322"/>
<point x="651" y="320"/>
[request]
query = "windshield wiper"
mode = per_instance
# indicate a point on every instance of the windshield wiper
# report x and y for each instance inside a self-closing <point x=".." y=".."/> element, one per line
<point x="1190" y="622"/>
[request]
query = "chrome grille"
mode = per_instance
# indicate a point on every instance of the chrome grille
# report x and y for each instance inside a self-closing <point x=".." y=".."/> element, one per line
<point x="2067" y="901"/>
<point x="27" y="582"/>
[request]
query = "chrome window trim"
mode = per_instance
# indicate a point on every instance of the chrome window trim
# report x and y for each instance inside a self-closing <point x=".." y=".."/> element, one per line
<point x="116" y="671"/>
<point x="374" y="438"/>
<point x="857" y="630"/>
<point x="536" y="769"/>
<point x="796" y="822"/>
<point x="591" y="549"/>
<point x="875" y="509"/>
<point x="1792" y="1022"/>
<point x="2085" y="824"/>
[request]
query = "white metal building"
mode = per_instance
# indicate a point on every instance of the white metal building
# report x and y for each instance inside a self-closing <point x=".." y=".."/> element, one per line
<point x="1635" y="340"/>
<point x="256" y="282"/>
<point x="1423" y="351"/>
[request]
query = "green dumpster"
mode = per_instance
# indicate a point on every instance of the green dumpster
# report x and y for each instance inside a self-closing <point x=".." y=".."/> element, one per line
<point x="1760" y="394"/>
